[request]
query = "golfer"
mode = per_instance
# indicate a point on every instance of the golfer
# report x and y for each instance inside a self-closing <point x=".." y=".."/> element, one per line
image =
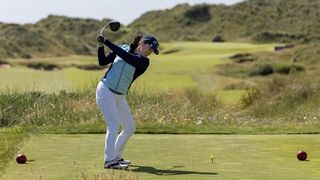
<point x="127" y="63"/>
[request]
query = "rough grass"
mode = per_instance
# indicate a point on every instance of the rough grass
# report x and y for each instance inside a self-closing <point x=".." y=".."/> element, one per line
<point x="190" y="110"/>
<point x="159" y="157"/>
<point x="291" y="99"/>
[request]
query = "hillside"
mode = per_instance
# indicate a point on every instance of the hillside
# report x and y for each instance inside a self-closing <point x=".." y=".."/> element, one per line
<point x="253" y="20"/>
<point x="256" y="20"/>
<point x="52" y="36"/>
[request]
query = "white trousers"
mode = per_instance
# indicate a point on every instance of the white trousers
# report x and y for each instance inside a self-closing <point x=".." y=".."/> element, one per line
<point x="116" y="113"/>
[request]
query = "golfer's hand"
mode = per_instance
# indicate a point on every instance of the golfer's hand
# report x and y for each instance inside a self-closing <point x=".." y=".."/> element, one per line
<point x="101" y="38"/>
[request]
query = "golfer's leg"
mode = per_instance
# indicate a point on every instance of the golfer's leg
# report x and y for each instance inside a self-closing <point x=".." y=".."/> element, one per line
<point x="106" y="103"/>
<point x="128" y="126"/>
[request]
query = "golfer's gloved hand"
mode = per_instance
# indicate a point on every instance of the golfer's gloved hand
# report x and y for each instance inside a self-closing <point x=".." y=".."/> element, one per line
<point x="101" y="38"/>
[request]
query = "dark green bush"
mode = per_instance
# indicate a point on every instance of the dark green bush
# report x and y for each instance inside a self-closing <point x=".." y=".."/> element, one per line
<point x="42" y="66"/>
<point x="267" y="69"/>
<point x="199" y="13"/>
<point x="262" y="70"/>
<point x="287" y="69"/>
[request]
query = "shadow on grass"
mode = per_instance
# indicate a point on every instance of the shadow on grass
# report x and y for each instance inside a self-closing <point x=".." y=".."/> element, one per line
<point x="171" y="171"/>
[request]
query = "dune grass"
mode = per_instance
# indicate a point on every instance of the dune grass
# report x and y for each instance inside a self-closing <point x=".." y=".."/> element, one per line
<point x="171" y="157"/>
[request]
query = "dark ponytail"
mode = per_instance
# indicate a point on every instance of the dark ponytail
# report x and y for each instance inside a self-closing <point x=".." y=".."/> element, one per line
<point x="135" y="43"/>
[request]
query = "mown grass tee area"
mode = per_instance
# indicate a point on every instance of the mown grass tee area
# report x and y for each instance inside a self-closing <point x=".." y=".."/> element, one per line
<point x="80" y="156"/>
<point x="191" y="88"/>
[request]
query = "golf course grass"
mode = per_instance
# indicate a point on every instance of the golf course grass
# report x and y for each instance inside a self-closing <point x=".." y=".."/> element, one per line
<point x="76" y="156"/>
<point x="191" y="64"/>
<point x="182" y="92"/>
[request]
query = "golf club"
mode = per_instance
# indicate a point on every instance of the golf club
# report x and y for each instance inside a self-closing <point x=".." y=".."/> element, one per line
<point x="113" y="25"/>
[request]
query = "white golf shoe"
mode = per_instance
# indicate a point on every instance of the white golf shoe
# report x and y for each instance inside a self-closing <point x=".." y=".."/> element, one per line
<point x="124" y="161"/>
<point x="115" y="164"/>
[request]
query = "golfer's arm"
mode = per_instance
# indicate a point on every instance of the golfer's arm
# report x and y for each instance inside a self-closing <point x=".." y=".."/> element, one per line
<point x="103" y="59"/>
<point x="132" y="59"/>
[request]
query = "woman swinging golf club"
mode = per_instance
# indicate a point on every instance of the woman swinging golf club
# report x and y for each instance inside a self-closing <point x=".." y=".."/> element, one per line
<point x="127" y="63"/>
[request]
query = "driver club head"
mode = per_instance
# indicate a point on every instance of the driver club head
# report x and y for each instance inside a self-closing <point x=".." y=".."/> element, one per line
<point x="114" y="25"/>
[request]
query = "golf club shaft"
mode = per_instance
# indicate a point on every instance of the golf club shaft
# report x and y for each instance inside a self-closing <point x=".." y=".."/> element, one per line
<point x="104" y="27"/>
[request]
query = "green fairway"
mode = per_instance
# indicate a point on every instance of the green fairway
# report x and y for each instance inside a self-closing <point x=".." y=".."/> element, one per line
<point x="190" y="64"/>
<point x="171" y="157"/>
<point x="24" y="79"/>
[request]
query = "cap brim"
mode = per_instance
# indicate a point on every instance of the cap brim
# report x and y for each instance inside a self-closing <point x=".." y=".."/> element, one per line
<point x="156" y="51"/>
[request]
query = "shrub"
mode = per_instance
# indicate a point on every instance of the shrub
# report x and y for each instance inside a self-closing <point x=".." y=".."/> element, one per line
<point x="43" y="66"/>
<point x="218" y="39"/>
<point x="199" y="13"/>
<point x="288" y="68"/>
<point x="250" y="96"/>
<point x="262" y="70"/>
<point x="240" y="58"/>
